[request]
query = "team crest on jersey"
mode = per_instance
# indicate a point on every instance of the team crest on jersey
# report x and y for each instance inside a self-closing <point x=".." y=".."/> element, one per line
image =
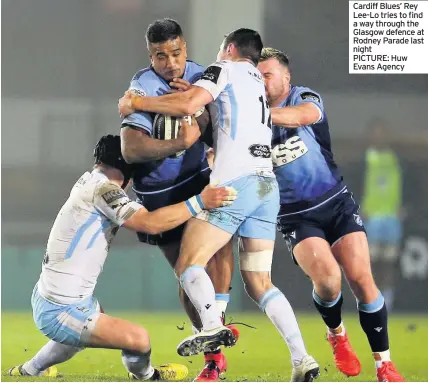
<point x="358" y="219"/>
<point x="310" y="96"/>
<point x="212" y="73"/>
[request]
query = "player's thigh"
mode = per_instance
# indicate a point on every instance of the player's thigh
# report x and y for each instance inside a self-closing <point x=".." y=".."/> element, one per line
<point x="66" y="324"/>
<point x="220" y="268"/>
<point x="116" y="333"/>
<point x="260" y="222"/>
<point x="201" y="240"/>
<point x="344" y="218"/>
<point x="352" y="253"/>
<point x="307" y="243"/>
<point x="314" y="256"/>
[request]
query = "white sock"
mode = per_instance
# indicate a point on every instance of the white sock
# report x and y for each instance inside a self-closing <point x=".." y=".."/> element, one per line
<point x="50" y="354"/>
<point x="221" y="301"/>
<point x="280" y="312"/>
<point x="200" y="290"/>
<point x="138" y="364"/>
<point x="338" y="331"/>
<point x="385" y="356"/>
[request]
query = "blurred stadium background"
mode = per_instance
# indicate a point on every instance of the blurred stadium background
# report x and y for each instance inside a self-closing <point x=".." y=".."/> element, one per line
<point x="64" y="66"/>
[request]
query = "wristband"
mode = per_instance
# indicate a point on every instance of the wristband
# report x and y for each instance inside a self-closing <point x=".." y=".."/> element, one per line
<point x="195" y="205"/>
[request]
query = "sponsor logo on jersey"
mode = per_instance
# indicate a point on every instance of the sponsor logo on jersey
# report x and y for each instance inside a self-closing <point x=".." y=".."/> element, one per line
<point x="258" y="150"/>
<point x="114" y="195"/>
<point x="289" y="151"/>
<point x="310" y="96"/>
<point x="138" y="92"/>
<point x="212" y="73"/>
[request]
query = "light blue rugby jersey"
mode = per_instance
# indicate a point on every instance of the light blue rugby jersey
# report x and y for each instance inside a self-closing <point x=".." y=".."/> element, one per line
<point x="161" y="174"/>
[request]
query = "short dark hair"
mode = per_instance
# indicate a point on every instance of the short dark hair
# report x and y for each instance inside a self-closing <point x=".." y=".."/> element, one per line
<point x="248" y="43"/>
<point x="163" y="30"/>
<point x="269" y="53"/>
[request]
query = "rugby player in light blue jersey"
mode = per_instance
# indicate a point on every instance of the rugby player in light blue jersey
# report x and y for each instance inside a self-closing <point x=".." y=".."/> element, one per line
<point x="64" y="307"/>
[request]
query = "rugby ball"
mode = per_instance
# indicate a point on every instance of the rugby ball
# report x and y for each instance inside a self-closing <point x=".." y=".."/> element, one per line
<point x="167" y="128"/>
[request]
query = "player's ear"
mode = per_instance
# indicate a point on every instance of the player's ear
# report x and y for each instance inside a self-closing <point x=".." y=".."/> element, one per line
<point x="287" y="76"/>
<point x="230" y="49"/>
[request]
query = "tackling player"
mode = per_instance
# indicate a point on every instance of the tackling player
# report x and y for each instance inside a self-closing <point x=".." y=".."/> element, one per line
<point x="166" y="171"/>
<point x="64" y="308"/>
<point x="320" y="219"/>
<point x="235" y="92"/>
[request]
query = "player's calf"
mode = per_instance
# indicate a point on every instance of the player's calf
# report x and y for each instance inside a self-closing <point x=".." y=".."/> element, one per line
<point x="255" y="270"/>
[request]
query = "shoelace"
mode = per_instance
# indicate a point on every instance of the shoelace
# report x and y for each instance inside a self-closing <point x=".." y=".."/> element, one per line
<point x="232" y="323"/>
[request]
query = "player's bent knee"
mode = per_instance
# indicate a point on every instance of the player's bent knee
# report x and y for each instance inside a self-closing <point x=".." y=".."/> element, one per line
<point x="259" y="261"/>
<point x="329" y="286"/>
<point x="137" y="340"/>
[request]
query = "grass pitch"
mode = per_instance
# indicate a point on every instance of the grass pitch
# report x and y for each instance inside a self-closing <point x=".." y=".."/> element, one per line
<point x="259" y="355"/>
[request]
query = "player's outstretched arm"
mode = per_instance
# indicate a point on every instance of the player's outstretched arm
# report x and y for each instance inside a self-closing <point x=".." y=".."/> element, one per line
<point x="178" y="104"/>
<point x="296" y="116"/>
<point x="169" y="217"/>
<point x="138" y="147"/>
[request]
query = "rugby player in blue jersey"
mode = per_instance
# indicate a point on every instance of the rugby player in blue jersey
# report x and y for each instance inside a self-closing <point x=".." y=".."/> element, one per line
<point x="319" y="218"/>
<point x="168" y="171"/>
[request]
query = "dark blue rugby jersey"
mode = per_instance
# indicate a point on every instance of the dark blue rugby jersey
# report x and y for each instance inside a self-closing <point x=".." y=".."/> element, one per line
<point x="303" y="159"/>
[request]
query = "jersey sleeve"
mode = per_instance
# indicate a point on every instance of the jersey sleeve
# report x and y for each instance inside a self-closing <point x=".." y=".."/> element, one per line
<point x="113" y="202"/>
<point x="306" y="95"/>
<point x="215" y="79"/>
<point x="138" y="120"/>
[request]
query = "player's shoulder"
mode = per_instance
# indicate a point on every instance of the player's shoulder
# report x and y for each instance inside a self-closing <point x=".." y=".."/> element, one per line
<point x="107" y="190"/>
<point x="194" y="71"/>
<point x="225" y="63"/>
<point x="304" y="93"/>
<point x="143" y="74"/>
<point x="83" y="190"/>
<point x="145" y="80"/>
